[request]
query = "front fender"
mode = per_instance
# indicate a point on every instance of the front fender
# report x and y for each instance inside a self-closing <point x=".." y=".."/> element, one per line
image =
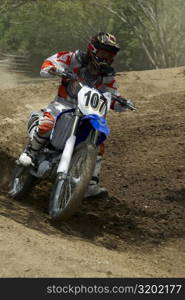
<point x="98" y="123"/>
<point x="92" y="121"/>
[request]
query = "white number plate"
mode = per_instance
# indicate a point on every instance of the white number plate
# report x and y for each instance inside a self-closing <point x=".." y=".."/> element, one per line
<point x="90" y="101"/>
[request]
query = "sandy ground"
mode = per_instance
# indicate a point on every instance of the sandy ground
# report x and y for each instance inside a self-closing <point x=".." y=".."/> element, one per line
<point x="138" y="231"/>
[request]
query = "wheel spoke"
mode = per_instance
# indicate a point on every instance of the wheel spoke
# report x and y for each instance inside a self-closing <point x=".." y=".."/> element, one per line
<point x="71" y="182"/>
<point x="67" y="195"/>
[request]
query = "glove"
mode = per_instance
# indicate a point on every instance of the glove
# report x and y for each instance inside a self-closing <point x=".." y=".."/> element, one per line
<point x="70" y="75"/>
<point x="130" y="103"/>
<point x="56" y="71"/>
<point x="119" y="107"/>
<point x="123" y="104"/>
<point x="127" y="103"/>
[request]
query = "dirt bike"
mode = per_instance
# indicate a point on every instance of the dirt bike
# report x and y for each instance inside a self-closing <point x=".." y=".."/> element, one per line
<point x="70" y="155"/>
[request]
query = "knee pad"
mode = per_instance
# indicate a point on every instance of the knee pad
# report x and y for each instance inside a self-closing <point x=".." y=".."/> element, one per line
<point x="46" y="123"/>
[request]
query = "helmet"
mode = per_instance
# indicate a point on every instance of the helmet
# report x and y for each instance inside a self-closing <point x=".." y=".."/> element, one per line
<point x="102" y="48"/>
<point x="104" y="40"/>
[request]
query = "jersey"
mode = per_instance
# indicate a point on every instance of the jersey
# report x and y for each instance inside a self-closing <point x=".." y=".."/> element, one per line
<point x="77" y="62"/>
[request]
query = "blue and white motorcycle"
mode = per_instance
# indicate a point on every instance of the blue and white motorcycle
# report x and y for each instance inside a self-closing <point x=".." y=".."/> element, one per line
<point x="70" y="156"/>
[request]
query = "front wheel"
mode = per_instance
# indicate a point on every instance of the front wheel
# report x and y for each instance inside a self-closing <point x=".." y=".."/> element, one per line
<point x="21" y="183"/>
<point x="68" y="192"/>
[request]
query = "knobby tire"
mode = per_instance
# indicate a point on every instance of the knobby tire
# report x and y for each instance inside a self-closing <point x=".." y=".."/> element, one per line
<point x="83" y="162"/>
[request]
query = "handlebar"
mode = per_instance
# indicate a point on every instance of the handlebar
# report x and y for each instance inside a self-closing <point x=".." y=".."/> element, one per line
<point x="123" y="101"/>
<point x="68" y="75"/>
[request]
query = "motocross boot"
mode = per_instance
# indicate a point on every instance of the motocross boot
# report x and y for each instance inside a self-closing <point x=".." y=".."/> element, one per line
<point x="40" y="126"/>
<point x="94" y="190"/>
<point x="28" y="156"/>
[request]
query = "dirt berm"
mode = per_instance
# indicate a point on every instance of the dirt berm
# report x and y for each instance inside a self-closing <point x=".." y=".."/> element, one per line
<point x="138" y="231"/>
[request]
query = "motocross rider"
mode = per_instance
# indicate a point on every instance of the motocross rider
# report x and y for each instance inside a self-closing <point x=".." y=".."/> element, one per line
<point x="92" y="67"/>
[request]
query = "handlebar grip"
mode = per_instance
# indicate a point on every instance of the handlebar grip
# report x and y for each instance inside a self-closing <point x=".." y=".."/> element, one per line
<point x="69" y="75"/>
<point x="124" y="102"/>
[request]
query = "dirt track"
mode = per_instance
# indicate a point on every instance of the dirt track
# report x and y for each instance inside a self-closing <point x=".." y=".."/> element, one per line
<point x="138" y="231"/>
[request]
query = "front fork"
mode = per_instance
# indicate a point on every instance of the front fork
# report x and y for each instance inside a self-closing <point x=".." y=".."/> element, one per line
<point x="67" y="153"/>
<point x="95" y="137"/>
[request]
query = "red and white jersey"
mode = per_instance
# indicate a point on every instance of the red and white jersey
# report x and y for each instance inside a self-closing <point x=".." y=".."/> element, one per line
<point x="76" y="62"/>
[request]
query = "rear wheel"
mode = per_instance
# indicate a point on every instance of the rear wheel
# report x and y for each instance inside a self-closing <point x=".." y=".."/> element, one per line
<point x="21" y="183"/>
<point x="68" y="192"/>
